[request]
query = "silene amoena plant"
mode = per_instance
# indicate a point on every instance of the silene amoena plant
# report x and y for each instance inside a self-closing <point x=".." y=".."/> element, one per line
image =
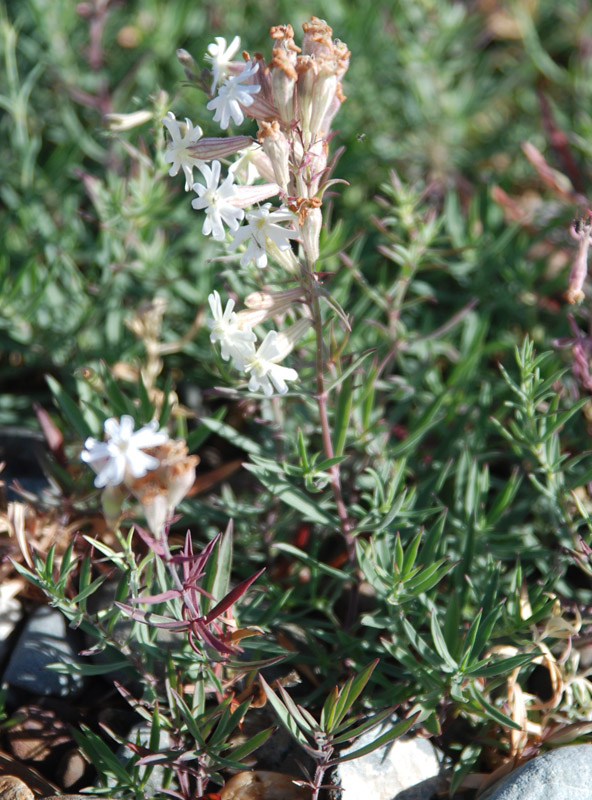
<point x="263" y="200"/>
<point x="367" y="561"/>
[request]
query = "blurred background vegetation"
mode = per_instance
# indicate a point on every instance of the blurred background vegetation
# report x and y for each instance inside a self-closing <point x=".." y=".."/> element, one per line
<point x="442" y="92"/>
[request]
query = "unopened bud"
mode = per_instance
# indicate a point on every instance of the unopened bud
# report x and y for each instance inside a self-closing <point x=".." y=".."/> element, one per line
<point x="283" y="72"/>
<point x="283" y="258"/>
<point x="112" y="498"/>
<point x="289" y="337"/>
<point x="580" y="230"/>
<point x="277" y="149"/>
<point x="125" y="122"/>
<point x="213" y="147"/>
<point x="161" y="490"/>
<point x="270" y="300"/>
<point x="262" y="306"/>
<point x="188" y="63"/>
<point x="317" y="39"/>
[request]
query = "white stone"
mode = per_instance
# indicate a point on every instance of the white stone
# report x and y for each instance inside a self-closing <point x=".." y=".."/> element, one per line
<point x="406" y="769"/>
<point x="10" y="612"/>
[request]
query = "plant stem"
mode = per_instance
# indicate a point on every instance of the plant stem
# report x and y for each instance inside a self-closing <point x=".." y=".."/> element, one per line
<point x="321" y="397"/>
<point x="334" y="472"/>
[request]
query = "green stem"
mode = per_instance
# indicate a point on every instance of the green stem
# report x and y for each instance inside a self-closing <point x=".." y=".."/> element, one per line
<point x="310" y="279"/>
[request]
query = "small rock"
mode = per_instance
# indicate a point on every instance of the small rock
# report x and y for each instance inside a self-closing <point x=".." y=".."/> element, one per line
<point x="561" y="774"/>
<point x="10" y="613"/>
<point x="23" y="451"/>
<point x="140" y="735"/>
<point x="12" y="788"/>
<point x="74" y="797"/>
<point x="45" y="640"/>
<point x="72" y="769"/>
<point x="261" y="785"/>
<point x="164" y="641"/>
<point x="36" y="782"/>
<point x="36" y="734"/>
<point x="406" y="769"/>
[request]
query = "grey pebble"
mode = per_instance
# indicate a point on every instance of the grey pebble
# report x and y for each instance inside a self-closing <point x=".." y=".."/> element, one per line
<point x="561" y="774"/>
<point x="45" y="639"/>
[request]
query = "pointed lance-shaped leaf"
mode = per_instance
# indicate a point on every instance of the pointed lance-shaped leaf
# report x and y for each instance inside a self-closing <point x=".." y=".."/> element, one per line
<point x="232" y="597"/>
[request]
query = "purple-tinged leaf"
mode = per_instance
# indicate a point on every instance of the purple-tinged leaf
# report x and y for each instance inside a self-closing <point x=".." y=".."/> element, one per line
<point x="157" y="598"/>
<point x="150" y="541"/>
<point x="157" y="620"/>
<point x="232" y="597"/>
<point x="198" y="628"/>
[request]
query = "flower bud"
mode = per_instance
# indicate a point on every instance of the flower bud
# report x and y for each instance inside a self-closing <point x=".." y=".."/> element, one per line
<point x="262" y="306"/>
<point x="580" y="230"/>
<point x="270" y="300"/>
<point x="311" y="233"/>
<point x="112" y="498"/>
<point x="305" y="68"/>
<point x="277" y="149"/>
<point x="209" y="148"/>
<point x="283" y="258"/>
<point x="161" y="490"/>
<point x="317" y="40"/>
<point x="287" y="339"/>
<point x="125" y="122"/>
<point x="283" y="72"/>
<point x="188" y="63"/>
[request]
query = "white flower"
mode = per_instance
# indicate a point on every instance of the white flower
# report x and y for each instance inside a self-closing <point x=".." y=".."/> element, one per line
<point x="177" y="152"/>
<point x="232" y="95"/>
<point x="122" y="453"/>
<point x="261" y="226"/>
<point x="266" y="373"/>
<point x="236" y="342"/>
<point x="215" y="199"/>
<point x="220" y="56"/>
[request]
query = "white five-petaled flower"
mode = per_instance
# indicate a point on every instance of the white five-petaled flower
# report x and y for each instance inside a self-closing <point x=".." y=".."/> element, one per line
<point x="216" y="201"/>
<point x="177" y="153"/>
<point x="220" y="56"/>
<point x="266" y="374"/>
<point x="235" y="342"/>
<point x="123" y="453"/>
<point x="233" y="95"/>
<point x="262" y="225"/>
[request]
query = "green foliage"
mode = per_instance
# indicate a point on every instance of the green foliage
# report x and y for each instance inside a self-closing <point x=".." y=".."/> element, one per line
<point x="458" y="428"/>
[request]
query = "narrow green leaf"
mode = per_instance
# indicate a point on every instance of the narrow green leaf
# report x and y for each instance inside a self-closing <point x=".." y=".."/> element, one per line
<point x="68" y="407"/>
<point x="431" y="417"/>
<point x="231" y="435"/>
<point x="251" y="745"/>
<point x="310" y="561"/>
<point x="293" y="497"/>
<point x="198" y="436"/>
<point x="347" y="372"/>
<point x="438" y="639"/>
<point x="350" y="692"/>
<point x="342" y="417"/>
<point x="562" y="418"/>
<point x="389" y="736"/>
<point x="411" y="554"/>
<point x="284" y="715"/>
<point x="491" y="711"/>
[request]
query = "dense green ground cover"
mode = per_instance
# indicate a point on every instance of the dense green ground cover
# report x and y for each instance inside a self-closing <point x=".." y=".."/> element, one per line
<point x="464" y="428"/>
